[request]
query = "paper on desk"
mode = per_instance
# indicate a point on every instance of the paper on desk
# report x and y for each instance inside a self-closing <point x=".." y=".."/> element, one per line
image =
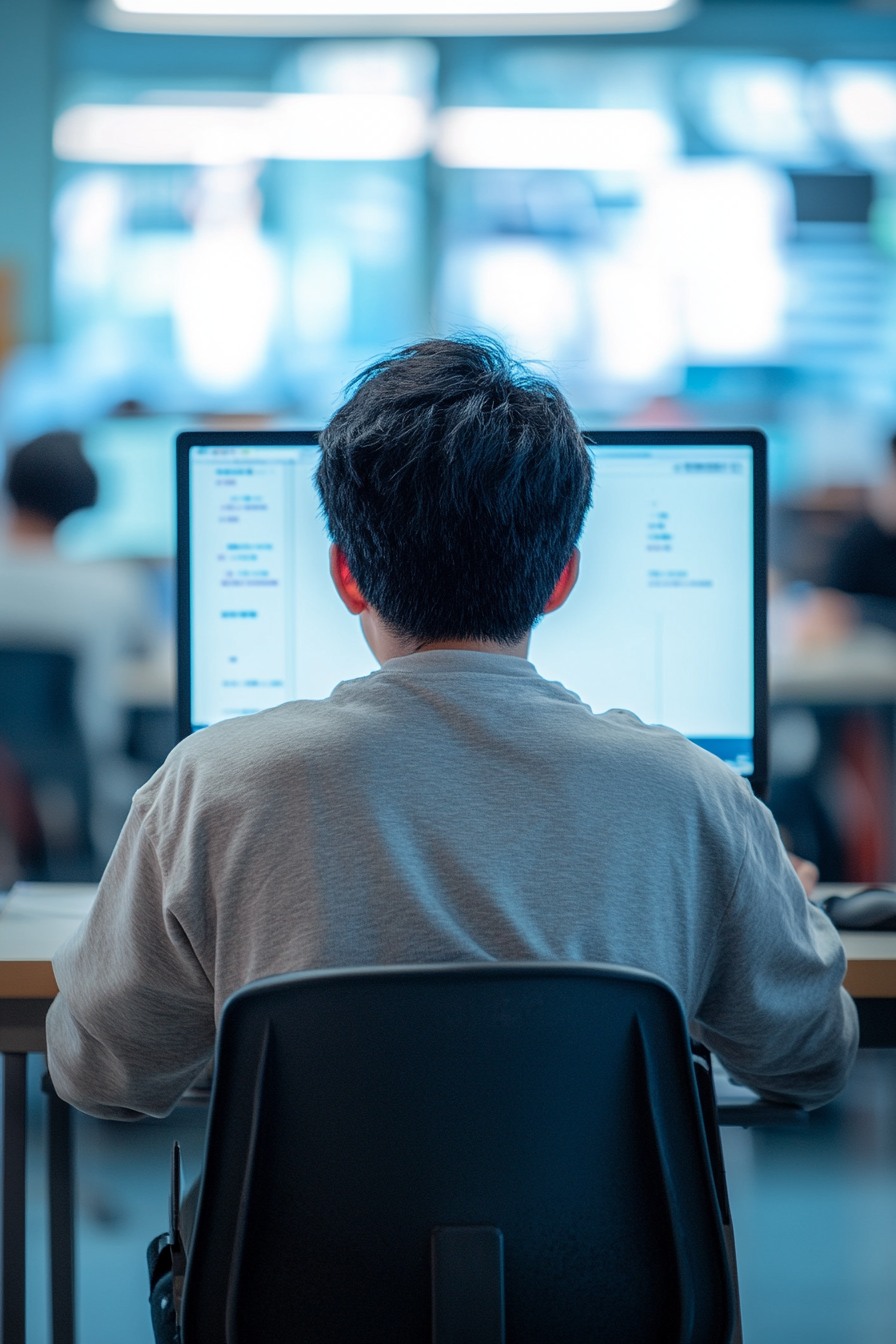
<point x="727" y="1090"/>
<point x="38" y="917"/>
<point x="66" y="900"/>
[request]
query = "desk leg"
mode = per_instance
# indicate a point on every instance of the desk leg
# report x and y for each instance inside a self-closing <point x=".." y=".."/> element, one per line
<point x="12" y="1286"/>
<point x="62" y="1216"/>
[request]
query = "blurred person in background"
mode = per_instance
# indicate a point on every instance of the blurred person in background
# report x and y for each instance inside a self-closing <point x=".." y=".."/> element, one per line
<point x="834" y="645"/>
<point x="863" y="564"/>
<point x="99" y="613"/>
<point x="856" y="582"/>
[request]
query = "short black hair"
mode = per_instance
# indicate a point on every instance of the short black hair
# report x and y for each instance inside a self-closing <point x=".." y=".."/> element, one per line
<point x="51" y="476"/>
<point x="456" y="483"/>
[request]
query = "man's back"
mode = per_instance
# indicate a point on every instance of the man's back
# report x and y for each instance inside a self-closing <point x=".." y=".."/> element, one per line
<point x="451" y="807"/>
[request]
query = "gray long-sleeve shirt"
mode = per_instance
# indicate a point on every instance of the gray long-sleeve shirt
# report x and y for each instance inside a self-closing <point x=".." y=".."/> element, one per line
<point x="451" y="806"/>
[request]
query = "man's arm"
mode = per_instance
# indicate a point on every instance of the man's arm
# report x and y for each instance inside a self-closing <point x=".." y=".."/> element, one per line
<point x="774" y="1010"/>
<point x="134" y="1021"/>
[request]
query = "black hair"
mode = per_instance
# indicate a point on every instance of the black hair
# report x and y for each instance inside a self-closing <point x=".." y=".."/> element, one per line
<point x="456" y="483"/>
<point x="51" y="476"/>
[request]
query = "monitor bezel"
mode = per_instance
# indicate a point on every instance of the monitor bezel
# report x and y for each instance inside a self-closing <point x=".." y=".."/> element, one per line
<point x="728" y="438"/>
<point x="305" y="438"/>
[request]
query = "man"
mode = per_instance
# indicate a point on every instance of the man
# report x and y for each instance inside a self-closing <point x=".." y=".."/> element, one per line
<point x="452" y="806"/>
<point x="99" y="613"/>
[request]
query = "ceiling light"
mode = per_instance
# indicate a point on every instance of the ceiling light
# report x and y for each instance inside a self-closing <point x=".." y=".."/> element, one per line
<point x="861" y="106"/>
<point x="290" y="126"/>
<point x="755" y="105"/>
<point x="309" y="8"/>
<point x="597" y="139"/>
<point x="349" y="126"/>
<point x="351" y="17"/>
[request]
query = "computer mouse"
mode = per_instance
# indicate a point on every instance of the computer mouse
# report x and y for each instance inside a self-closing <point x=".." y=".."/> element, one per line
<point x="873" y="909"/>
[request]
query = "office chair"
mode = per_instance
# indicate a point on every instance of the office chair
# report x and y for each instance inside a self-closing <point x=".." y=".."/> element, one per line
<point x="40" y="729"/>
<point x="462" y="1154"/>
<point x="23" y="852"/>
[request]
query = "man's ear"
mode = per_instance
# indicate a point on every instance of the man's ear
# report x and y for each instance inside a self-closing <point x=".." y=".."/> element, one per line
<point x="344" y="582"/>
<point x="565" y="584"/>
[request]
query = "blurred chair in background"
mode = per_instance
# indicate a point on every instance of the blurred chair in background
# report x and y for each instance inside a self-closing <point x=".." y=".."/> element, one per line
<point x="67" y="633"/>
<point x="23" y="855"/>
<point x="799" y="796"/>
<point x="39" y="729"/>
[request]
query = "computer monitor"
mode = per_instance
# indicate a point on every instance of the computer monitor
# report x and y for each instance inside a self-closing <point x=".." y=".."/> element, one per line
<point x="667" y="619"/>
<point x="133" y="457"/>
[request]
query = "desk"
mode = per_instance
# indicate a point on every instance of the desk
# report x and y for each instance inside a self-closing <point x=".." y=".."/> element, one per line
<point x="38" y="917"/>
<point x="35" y="920"/>
<point x="870" y="971"/>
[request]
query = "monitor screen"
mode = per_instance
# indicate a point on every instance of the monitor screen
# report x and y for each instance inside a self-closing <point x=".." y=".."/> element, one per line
<point x="667" y="618"/>
<point x="133" y="457"/>
<point x="661" y="620"/>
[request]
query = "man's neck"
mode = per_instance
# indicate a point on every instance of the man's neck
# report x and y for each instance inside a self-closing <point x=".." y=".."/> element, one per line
<point x="385" y="644"/>
<point x="518" y="650"/>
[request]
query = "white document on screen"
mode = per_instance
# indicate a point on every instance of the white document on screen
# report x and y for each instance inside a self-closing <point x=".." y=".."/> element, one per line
<point x="661" y="621"/>
<point x="267" y="623"/>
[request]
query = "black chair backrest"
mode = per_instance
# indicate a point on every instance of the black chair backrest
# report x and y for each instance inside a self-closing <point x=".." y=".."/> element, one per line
<point x="36" y="696"/>
<point x="380" y="1139"/>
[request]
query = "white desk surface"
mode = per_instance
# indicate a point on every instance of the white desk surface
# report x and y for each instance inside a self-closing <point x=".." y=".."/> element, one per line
<point x="38" y="917"/>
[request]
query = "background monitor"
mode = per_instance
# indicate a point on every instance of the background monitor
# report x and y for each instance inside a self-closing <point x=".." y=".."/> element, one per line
<point x="133" y="457"/>
<point x="668" y="618"/>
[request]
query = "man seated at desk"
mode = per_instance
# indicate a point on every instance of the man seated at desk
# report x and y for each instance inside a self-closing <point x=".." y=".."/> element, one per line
<point x="453" y="805"/>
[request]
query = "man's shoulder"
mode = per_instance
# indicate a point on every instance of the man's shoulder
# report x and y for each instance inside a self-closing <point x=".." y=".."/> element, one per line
<point x="247" y="739"/>
<point x="250" y="749"/>
<point x="664" y="769"/>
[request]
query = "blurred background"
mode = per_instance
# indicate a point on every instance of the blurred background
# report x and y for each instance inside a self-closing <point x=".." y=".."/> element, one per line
<point x="218" y="221"/>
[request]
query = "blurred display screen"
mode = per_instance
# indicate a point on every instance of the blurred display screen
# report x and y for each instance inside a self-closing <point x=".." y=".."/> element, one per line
<point x="134" y="514"/>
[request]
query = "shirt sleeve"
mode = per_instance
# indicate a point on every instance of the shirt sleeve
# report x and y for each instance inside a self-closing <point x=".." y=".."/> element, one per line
<point x="134" y="1021"/>
<point x="774" y="1010"/>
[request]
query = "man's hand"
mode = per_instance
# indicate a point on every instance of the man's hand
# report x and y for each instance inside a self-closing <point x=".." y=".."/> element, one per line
<point x="805" y="871"/>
